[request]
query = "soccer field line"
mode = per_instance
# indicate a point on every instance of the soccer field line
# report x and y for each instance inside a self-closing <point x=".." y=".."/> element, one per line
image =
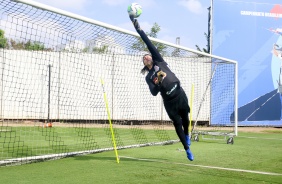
<point x="260" y="138"/>
<point x="205" y="166"/>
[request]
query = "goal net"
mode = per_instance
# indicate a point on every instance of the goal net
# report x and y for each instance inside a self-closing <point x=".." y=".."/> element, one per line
<point x="51" y="100"/>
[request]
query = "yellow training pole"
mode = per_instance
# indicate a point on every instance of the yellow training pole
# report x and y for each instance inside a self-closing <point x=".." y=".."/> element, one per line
<point x="110" y="121"/>
<point x="191" y="110"/>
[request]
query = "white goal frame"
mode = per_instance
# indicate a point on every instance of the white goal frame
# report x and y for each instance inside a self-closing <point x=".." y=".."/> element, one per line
<point x="25" y="69"/>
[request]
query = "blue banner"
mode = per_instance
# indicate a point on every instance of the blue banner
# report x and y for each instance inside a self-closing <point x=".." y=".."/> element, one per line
<point x="250" y="32"/>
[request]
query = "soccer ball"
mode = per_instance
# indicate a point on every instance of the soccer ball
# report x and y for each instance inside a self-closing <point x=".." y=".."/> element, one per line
<point x="135" y="10"/>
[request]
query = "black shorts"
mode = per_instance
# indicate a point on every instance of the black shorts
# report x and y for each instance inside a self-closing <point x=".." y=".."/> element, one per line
<point x="178" y="106"/>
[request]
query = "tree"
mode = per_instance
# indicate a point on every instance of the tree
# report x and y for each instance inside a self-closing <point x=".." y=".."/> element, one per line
<point x="176" y="52"/>
<point x="17" y="45"/>
<point x="141" y="46"/>
<point x="30" y="45"/>
<point x="21" y="45"/>
<point x="206" y="50"/>
<point x="101" y="50"/>
<point x="3" y="40"/>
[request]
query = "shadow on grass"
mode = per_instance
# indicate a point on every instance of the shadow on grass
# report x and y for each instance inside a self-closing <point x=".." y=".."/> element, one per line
<point x="113" y="158"/>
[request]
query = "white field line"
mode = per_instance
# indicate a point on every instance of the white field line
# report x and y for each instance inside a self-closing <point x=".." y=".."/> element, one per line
<point x="260" y="138"/>
<point x="204" y="166"/>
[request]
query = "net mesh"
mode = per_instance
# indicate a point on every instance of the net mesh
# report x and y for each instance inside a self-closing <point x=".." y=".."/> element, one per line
<point x="52" y="102"/>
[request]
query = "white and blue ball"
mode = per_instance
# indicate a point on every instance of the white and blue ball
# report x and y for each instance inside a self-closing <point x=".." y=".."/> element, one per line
<point x="134" y="10"/>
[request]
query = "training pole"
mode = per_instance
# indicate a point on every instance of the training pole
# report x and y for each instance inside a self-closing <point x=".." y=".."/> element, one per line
<point x="191" y="111"/>
<point x="110" y="121"/>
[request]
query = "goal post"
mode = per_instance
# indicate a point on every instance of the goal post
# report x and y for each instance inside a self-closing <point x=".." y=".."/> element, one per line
<point x="51" y="98"/>
<point x="222" y="91"/>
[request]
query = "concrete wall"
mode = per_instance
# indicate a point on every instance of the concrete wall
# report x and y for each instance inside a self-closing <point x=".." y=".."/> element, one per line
<point x="76" y="91"/>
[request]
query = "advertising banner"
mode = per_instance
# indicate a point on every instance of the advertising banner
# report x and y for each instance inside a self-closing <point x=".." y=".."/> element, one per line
<point x="250" y="32"/>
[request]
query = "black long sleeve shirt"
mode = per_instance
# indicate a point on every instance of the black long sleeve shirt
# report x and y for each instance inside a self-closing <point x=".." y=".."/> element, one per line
<point x="170" y="85"/>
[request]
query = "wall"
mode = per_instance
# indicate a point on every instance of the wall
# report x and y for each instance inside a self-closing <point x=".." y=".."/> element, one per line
<point x="76" y="91"/>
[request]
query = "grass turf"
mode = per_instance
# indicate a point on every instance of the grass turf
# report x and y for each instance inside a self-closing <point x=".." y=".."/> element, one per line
<point x="164" y="164"/>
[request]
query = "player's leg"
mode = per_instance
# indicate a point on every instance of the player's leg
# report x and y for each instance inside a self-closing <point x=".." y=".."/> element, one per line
<point x="184" y="113"/>
<point x="172" y="111"/>
<point x="177" y="122"/>
<point x="185" y="123"/>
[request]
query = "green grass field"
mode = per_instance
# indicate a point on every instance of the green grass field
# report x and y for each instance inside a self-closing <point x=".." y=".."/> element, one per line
<point x="253" y="158"/>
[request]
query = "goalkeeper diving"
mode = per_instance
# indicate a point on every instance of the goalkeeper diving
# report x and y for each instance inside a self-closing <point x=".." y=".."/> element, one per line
<point x="161" y="79"/>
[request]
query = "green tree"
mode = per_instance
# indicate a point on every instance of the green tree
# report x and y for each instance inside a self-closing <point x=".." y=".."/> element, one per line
<point x="86" y="49"/>
<point x="33" y="45"/>
<point x="29" y="45"/>
<point x="176" y="52"/>
<point x="101" y="50"/>
<point x="3" y="40"/>
<point x="141" y="46"/>
<point x="206" y="50"/>
<point x="17" y="45"/>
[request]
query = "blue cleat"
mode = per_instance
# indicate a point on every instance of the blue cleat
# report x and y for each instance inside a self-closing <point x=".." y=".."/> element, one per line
<point x="189" y="154"/>
<point x="188" y="141"/>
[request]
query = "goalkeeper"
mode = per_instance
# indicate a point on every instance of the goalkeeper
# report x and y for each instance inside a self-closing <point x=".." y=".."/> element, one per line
<point x="161" y="79"/>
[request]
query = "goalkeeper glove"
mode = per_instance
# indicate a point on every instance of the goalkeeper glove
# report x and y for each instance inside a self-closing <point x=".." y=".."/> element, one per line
<point x="161" y="75"/>
<point x="135" y="23"/>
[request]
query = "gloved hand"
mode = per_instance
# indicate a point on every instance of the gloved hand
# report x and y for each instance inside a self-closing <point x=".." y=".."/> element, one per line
<point x="131" y="18"/>
<point x="161" y="75"/>
<point x="135" y="23"/>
